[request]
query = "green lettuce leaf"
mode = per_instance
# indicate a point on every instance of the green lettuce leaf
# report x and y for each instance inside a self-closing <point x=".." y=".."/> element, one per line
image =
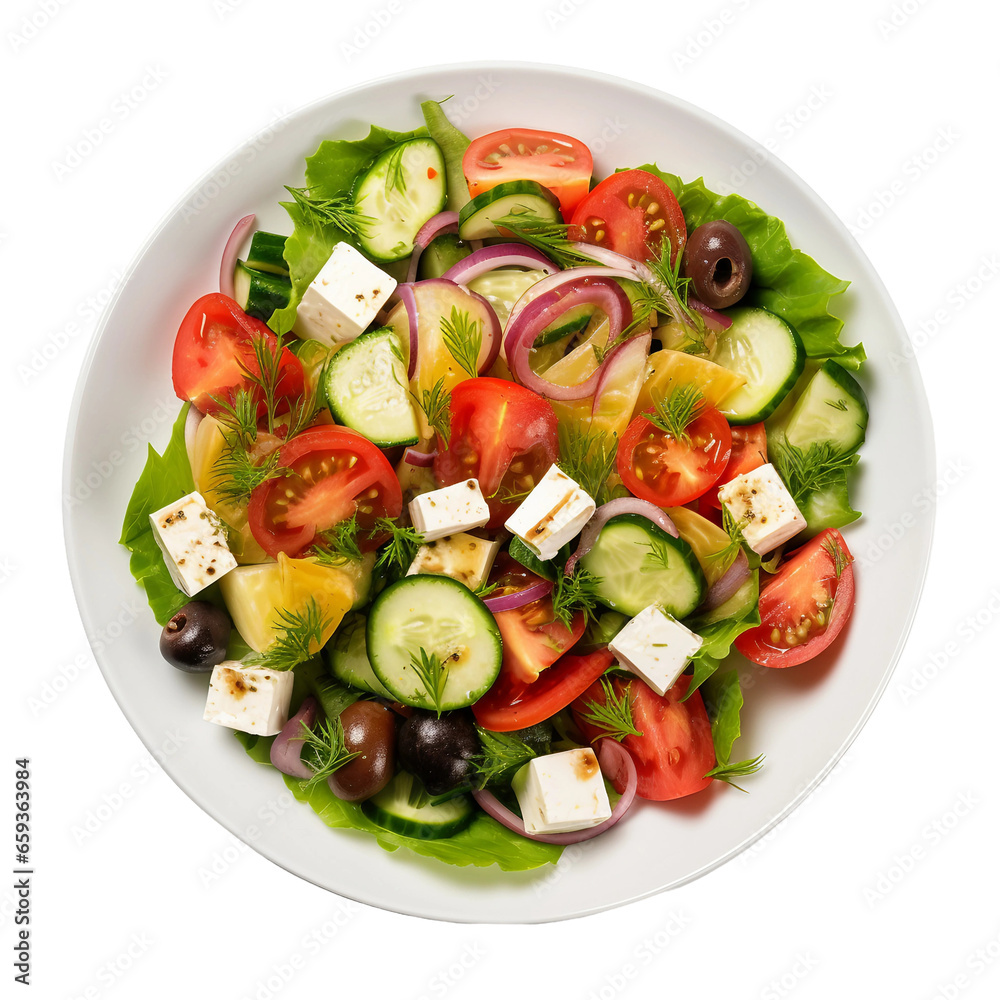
<point x="724" y="702"/>
<point x="785" y="280"/>
<point x="330" y="173"/>
<point x="164" y="479"/>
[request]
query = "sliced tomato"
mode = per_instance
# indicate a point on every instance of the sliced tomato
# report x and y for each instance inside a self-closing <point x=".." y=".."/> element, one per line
<point x="749" y="453"/>
<point x="502" y="434"/>
<point x="333" y="473"/>
<point x="559" y="162"/>
<point x="675" y="751"/>
<point x="805" y="606"/>
<point x="630" y="213"/>
<point x="658" y="467"/>
<point x="514" y="704"/>
<point x="214" y="350"/>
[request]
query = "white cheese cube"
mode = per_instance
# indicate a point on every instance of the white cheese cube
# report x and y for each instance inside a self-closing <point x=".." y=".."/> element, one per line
<point x="250" y="699"/>
<point x="760" y="499"/>
<point x="552" y="514"/>
<point x="562" y="792"/>
<point x="463" y="557"/>
<point x="449" y="510"/>
<point x="344" y="298"/>
<point x="193" y="543"/>
<point x="656" y="647"/>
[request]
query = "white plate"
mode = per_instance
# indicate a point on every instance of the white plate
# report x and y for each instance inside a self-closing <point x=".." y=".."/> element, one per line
<point x="803" y="718"/>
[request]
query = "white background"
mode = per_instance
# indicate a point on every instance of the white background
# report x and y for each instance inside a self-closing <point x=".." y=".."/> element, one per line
<point x="885" y="882"/>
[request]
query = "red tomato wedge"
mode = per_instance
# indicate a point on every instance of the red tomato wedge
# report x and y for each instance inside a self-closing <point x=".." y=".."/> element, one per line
<point x="335" y="472"/>
<point x="214" y="350"/>
<point x="515" y="704"/>
<point x="502" y="434"/>
<point x="749" y="453"/>
<point x="805" y="606"/>
<point x="630" y="213"/>
<point x="558" y="162"/>
<point x="669" y="472"/>
<point x="675" y="751"/>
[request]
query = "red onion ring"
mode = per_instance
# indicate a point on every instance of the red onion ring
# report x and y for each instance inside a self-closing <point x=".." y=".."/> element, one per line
<point x="616" y="762"/>
<point x="191" y="424"/>
<point x="561" y="278"/>
<point x="713" y="320"/>
<point x="227" y="267"/>
<point x="443" y="222"/>
<point x="499" y="255"/>
<point x="405" y="294"/>
<point x="507" y="602"/>
<point x="421" y="459"/>
<point x="524" y="328"/>
<point x="286" y="750"/>
<point x="604" y="513"/>
<point x="622" y="355"/>
<point x="727" y="584"/>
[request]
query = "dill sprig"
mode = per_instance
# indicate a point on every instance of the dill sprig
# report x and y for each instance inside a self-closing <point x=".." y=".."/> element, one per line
<point x="574" y="593"/>
<point x="588" y="457"/>
<point x="614" y="716"/>
<point x="463" y="336"/>
<point x="675" y="410"/>
<point x="810" y="470"/>
<point x="339" y="212"/>
<point x="433" y="673"/>
<point x="841" y="559"/>
<point x="741" y="769"/>
<point x="236" y="473"/>
<point x="435" y="404"/>
<point x="398" y="552"/>
<point x="734" y="529"/>
<point x="551" y="238"/>
<point x="324" y="750"/>
<point x="298" y="633"/>
<point x="395" y="177"/>
<point x="658" y="556"/>
<point x="501" y="756"/>
<point x="338" y="544"/>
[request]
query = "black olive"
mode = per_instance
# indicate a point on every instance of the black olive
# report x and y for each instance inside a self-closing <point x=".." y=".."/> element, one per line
<point x="717" y="260"/>
<point x="438" y="751"/>
<point x="195" y="639"/>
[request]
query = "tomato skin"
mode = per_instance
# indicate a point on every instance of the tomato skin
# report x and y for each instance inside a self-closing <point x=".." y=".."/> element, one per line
<point x="675" y="751"/>
<point x="564" y="168"/>
<point x="792" y="594"/>
<point x="618" y="208"/>
<point x="749" y="453"/>
<point x="533" y="639"/>
<point x="214" y="345"/>
<point x="497" y="425"/>
<point x="657" y="467"/>
<point x="327" y="485"/>
<point x="513" y="704"/>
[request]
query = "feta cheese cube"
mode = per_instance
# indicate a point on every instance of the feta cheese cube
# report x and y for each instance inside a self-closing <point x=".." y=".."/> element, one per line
<point x="342" y="301"/>
<point x="193" y="543"/>
<point x="449" y="510"/>
<point x="250" y="699"/>
<point x="552" y="514"/>
<point x="463" y="557"/>
<point x="655" y="646"/>
<point x="760" y="498"/>
<point x="562" y="792"/>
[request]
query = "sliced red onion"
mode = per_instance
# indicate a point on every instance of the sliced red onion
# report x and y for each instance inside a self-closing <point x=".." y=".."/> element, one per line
<point x="622" y="356"/>
<point x="728" y="583"/>
<point x="561" y="278"/>
<point x="507" y="602"/>
<point x="499" y="255"/>
<point x="604" y="513"/>
<point x="422" y="459"/>
<point x="191" y="424"/>
<point x="524" y="328"/>
<point x="616" y="764"/>
<point x="286" y="750"/>
<point x="228" y="266"/>
<point x="405" y="294"/>
<point x="492" y="334"/>
<point x="443" y="222"/>
<point x="713" y="320"/>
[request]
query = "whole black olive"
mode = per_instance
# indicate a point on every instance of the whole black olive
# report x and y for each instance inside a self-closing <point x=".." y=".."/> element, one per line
<point x="370" y="732"/>
<point x="195" y="638"/>
<point x="438" y="751"/>
<point x="717" y="260"/>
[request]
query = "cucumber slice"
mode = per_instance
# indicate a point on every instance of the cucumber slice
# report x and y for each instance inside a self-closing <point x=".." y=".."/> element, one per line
<point x="829" y="507"/>
<point x="833" y="408"/>
<point x="441" y="255"/>
<point x="573" y="321"/>
<point x="400" y="191"/>
<point x="639" y="564"/>
<point x="392" y="810"/>
<point x="267" y="253"/>
<point x="502" y="289"/>
<point x="333" y="697"/>
<point x="365" y="386"/>
<point x="259" y="293"/>
<point x="738" y="606"/>
<point x="347" y="657"/>
<point x="520" y="552"/>
<point x="476" y="220"/>
<point x="445" y="619"/>
<point x="768" y="353"/>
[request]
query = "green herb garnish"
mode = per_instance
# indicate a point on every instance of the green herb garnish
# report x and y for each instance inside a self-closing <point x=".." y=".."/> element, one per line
<point x="614" y="717"/>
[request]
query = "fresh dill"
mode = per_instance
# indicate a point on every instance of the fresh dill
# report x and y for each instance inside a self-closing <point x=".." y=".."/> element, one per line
<point x="551" y="238"/>
<point x="237" y="473"/>
<point x="501" y="756"/>
<point x="338" y="544"/>
<point x="573" y="593"/>
<point x="674" y="411"/>
<point x="588" y="457"/>
<point x="433" y="673"/>
<point x="401" y="547"/>
<point x="806" y="471"/>
<point x="324" y="750"/>
<point x="485" y="589"/>
<point x="463" y="336"/>
<point x="300" y="636"/>
<point x="658" y="556"/>
<point x="734" y="529"/>
<point x="740" y="769"/>
<point x="395" y="176"/>
<point x="614" y="716"/>
<point x="435" y="404"/>
<point x="339" y="212"/>
<point x="841" y="559"/>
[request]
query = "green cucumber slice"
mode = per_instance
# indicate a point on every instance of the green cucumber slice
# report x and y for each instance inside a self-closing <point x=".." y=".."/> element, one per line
<point x="829" y="507"/>
<point x="392" y="810"/>
<point x="267" y="253"/>
<point x="477" y="220"/>
<point x="503" y="287"/>
<point x="766" y="351"/>
<point x="445" y="619"/>
<point x="259" y="293"/>
<point x="832" y="409"/>
<point x="639" y="564"/>
<point x="399" y="192"/>
<point x="520" y="552"/>
<point x="365" y="386"/>
<point x="346" y="657"/>
<point x="441" y="255"/>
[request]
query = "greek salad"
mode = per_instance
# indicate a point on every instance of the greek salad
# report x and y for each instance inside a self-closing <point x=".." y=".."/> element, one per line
<point x="481" y="473"/>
